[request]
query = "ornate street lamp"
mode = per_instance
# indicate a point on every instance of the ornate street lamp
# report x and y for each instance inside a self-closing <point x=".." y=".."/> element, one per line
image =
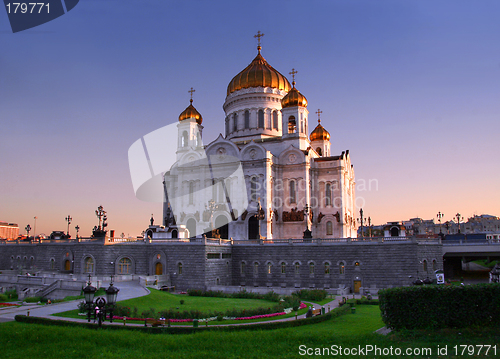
<point x="260" y="215"/>
<point x="439" y="216"/>
<point x="458" y="217"/>
<point x="307" y="232"/>
<point x="77" y="230"/>
<point x="100" y="306"/>
<point x="361" y="221"/>
<point x="28" y="229"/>
<point x="68" y="219"/>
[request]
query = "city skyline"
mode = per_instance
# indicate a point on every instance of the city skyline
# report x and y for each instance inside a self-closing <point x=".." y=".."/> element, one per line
<point x="410" y="89"/>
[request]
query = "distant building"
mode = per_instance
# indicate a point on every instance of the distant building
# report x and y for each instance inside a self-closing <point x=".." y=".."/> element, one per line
<point x="9" y="231"/>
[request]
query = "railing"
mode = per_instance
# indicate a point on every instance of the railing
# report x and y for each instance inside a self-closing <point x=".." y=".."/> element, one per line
<point x="470" y="242"/>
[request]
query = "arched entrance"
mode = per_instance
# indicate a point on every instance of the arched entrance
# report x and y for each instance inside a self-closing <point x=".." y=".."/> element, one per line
<point x="253" y="228"/>
<point x="158" y="268"/>
<point x="394" y="232"/>
<point x="175" y="234"/>
<point x="221" y="224"/>
<point x="191" y="226"/>
<point x="67" y="265"/>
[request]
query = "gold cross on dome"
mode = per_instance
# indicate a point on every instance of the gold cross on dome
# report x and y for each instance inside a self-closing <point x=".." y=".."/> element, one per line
<point x="191" y="91"/>
<point x="293" y="72"/>
<point x="258" y="36"/>
<point x="319" y="112"/>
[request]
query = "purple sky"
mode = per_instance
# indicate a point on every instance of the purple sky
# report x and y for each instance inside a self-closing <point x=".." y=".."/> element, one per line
<point x="411" y="88"/>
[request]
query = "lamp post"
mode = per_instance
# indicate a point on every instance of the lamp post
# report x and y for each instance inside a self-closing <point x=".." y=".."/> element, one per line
<point x="307" y="232"/>
<point x="68" y="219"/>
<point x="361" y="221"/>
<point x="34" y="230"/>
<point x="100" y="306"/>
<point x="77" y="230"/>
<point x="28" y="229"/>
<point x="259" y="216"/>
<point x="458" y="217"/>
<point x="439" y="216"/>
<point x="370" y="227"/>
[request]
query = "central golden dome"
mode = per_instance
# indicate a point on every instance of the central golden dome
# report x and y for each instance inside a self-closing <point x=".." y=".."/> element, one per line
<point x="258" y="74"/>
<point x="319" y="133"/>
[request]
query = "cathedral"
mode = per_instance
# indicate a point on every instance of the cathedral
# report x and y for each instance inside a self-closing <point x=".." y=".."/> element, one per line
<point x="268" y="177"/>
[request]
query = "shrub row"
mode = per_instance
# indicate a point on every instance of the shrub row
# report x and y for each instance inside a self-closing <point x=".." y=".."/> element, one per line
<point x="305" y="294"/>
<point x="187" y="330"/>
<point x="314" y="295"/>
<point x="440" y="306"/>
<point x="123" y="311"/>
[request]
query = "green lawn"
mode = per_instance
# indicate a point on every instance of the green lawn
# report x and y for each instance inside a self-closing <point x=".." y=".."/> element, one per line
<point x="348" y="331"/>
<point x="162" y="300"/>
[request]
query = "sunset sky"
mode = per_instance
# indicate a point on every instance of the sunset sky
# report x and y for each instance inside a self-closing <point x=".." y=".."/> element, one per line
<point x="411" y="88"/>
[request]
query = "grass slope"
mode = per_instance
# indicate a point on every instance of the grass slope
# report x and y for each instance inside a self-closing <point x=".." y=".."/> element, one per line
<point x="35" y="341"/>
<point x="162" y="300"/>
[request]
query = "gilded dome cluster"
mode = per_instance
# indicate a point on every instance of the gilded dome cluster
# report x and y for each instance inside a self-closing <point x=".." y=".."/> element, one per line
<point x="258" y="74"/>
<point x="319" y="133"/>
<point x="191" y="112"/>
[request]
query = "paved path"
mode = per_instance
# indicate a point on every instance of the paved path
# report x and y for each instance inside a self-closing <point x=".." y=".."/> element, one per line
<point x="128" y="290"/>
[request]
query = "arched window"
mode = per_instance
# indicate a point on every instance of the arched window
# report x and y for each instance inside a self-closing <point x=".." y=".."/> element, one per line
<point x="327" y="268"/>
<point x="269" y="120"/>
<point x="179" y="268"/>
<point x="301" y="126"/>
<point x="292" y="124"/>
<point x="261" y="119"/>
<point x="52" y="263"/>
<point x="275" y="120"/>
<point x="124" y="266"/>
<point x="89" y="265"/>
<point x="175" y="234"/>
<point x="269" y="265"/>
<point x="247" y="119"/>
<point x="293" y="197"/>
<point x="256" y="268"/>
<point x="356" y="264"/>
<point x="253" y="189"/>
<point x="328" y="194"/>
<point x="283" y="268"/>
<point x="329" y="229"/>
<point x="297" y="268"/>
<point x="318" y="150"/>
<point x="235" y="122"/>
<point x="243" y="267"/>
<point x="342" y="268"/>
<point x="424" y="263"/>
<point x="184" y="140"/>
<point x="191" y="192"/>
<point x="434" y="265"/>
<point x="311" y="268"/>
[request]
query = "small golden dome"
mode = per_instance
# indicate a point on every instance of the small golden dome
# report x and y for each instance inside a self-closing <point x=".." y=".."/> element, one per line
<point x="258" y="74"/>
<point x="293" y="98"/>
<point x="319" y="133"/>
<point x="191" y="112"/>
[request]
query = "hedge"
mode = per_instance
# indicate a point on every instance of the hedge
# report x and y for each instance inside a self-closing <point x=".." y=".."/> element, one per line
<point x="188" y="330"/>
<point x="424" y="307"/>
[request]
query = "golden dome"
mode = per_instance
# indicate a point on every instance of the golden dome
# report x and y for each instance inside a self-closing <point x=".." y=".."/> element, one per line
<point x="258" y="74"/>
<point x="293" y="98"/>
<point x="191" y="112"/>
<point x="319" y="133"/>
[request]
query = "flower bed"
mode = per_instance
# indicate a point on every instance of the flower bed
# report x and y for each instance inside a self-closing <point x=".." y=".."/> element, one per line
<point x="8" y="305"/>
<point x="286" y="311"/>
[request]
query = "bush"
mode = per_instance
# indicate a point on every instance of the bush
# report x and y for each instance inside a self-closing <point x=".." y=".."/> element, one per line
<point x="182" y="301"/>
<point x="313" y="295"/>
<point x="3" y="298"/>
<point x="33" y="299"/>
<point x="11" y="295"/>
<point x="440" y="306"/>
